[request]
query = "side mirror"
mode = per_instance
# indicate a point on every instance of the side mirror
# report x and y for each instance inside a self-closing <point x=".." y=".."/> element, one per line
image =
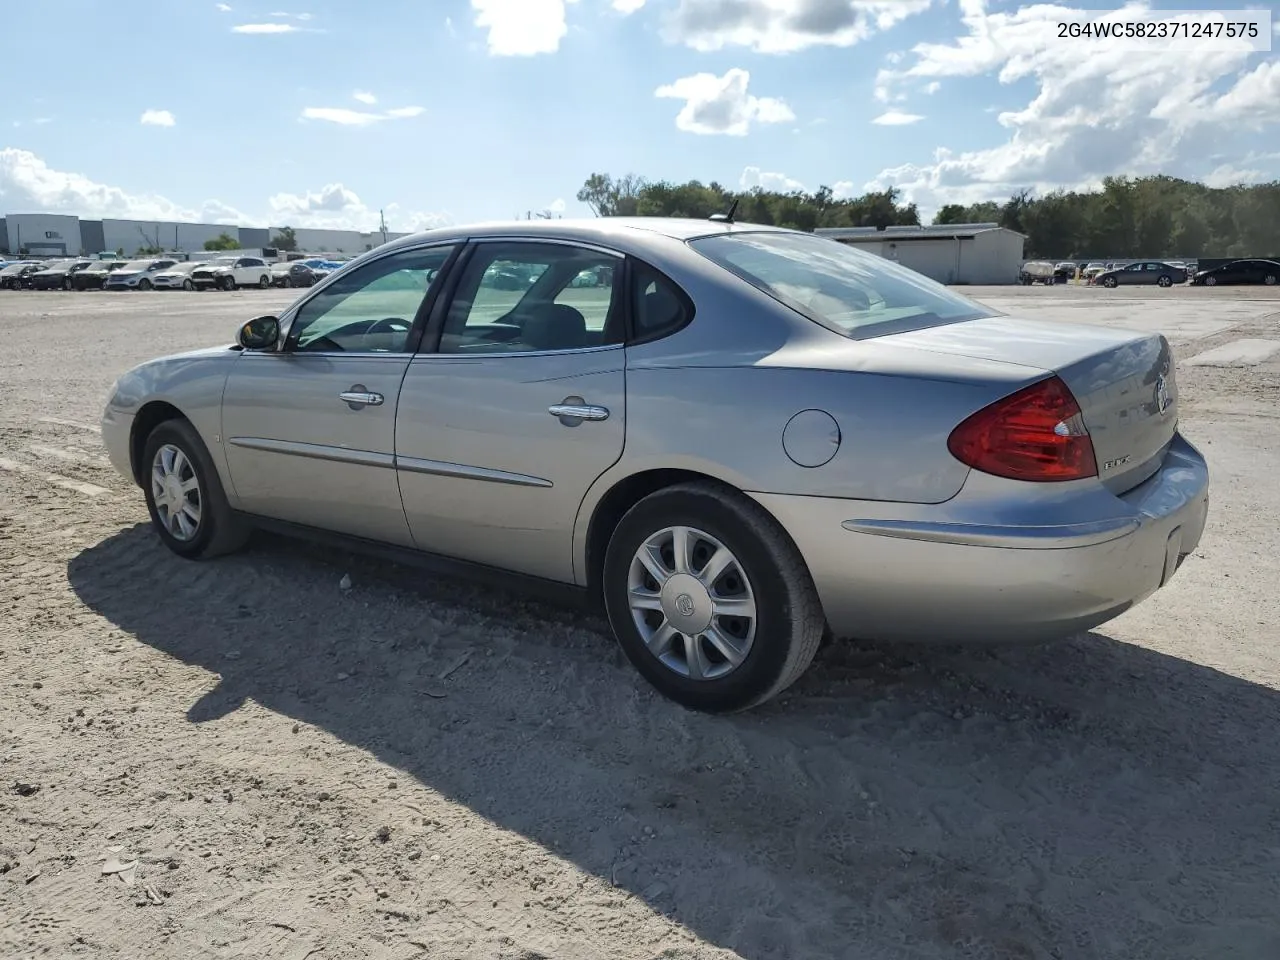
<point x="260" y="333"/>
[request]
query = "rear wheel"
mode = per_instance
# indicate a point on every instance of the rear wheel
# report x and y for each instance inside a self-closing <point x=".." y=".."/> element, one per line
<point x="66" y="283"/>
<point x="184" y="494"/>
<point x="1270" y="279"/>
<point x="188" y="285"/>
<point x="1111" y="282"/>
<point x="264" y="281"/>
<point x="144" y="284"/>
<point x="1165" y="280"/>
<point x="1210" y="281"/>
<point x="709" y="598"/>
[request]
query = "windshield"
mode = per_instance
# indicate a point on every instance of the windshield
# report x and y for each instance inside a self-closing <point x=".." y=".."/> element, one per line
<point x="137" y="265"/>
<point x="185" y="267"/>
<point x="845" y="289"/>
<point x="220" y="262"/>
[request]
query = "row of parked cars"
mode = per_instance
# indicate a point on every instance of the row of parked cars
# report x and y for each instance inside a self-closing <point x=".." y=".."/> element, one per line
<point x="162" y="273"/>
<point x="1159" y="273"/>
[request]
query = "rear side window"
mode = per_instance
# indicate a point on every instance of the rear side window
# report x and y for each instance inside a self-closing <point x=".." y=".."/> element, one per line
<point x="658" y="307"/>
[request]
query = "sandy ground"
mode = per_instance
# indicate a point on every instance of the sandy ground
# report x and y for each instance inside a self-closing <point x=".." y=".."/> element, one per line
<point x="240" y="759"/>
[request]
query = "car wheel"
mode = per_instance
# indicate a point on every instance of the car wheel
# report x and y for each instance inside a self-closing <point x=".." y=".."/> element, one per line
<point x="1210" y="281"/>
<point x="144" y="284"/>
<point x="1270" y="279"/>
<point x="1165" y="281"/>
<point x="264" y="281"/>
<point x="709" y="598"/>
<point x="1111" y="282"/>
<point x="184" y="494"/>
<point x="229" y="283"/>
<point x="66" y="283"/>
<point x="188" y="285"/>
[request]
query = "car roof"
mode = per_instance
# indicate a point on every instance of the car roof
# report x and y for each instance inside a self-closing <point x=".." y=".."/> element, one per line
<point x="599" y="229"/>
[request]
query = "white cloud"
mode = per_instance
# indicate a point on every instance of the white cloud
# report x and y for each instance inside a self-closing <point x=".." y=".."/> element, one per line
<point x="556" y="206"/>
<point x="28" y="183"/>
<point x="721" y="105"/>
<point x="264" y="28"/>
<point x="363" y="97"/>
<point x="336" y="207"/>
<point x="783" y="26"/>
<point x="897" y="118"/>
<point x="223" y="8"/>
<point x="294" y="16"/>
<point x="627" y="7"/>
<point x="157" y="118"/>
<point x="932" y="88"/>
<point x="1098" y="109"/>
<point x="753" y="177"/>
<point x="359" y="118"/>
<point x="522" y="28"/>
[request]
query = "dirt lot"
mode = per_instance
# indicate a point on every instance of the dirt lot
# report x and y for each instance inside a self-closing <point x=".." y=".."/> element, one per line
<point x="241" y="759"/>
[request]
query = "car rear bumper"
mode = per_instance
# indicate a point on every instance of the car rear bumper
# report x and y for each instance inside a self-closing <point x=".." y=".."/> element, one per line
<point x="963" y="571"/>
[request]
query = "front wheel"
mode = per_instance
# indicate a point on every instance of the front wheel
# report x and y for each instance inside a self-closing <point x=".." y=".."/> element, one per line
<point x="709" y="598"/>
<point x="228" y="283"/>
<point x="1165" y="281"/>
<point x="184" y="494"/>
<point x="264" y="281"/>
<point x="1210" y="281"/>
<point x="188" y="285"/>
<point x="144" y="284"/>
<point x="66" y="283"/>
<point x="1111" y="283"/>
<point x="1270" y="279"/>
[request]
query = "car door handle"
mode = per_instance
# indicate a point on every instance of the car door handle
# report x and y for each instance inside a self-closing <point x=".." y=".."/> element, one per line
<point x="361" y="398"/>
<point x="578" y="411"/>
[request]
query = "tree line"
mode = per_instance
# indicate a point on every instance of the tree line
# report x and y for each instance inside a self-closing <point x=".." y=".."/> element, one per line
<point x="1153" y="216"/>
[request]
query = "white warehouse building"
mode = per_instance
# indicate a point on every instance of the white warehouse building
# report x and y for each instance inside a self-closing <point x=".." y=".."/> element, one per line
<point x="51" y="235"/>
<point x="954" y="253"/>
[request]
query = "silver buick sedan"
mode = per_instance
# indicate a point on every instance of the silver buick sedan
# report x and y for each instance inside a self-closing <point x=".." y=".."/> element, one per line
<point x="738" y="440"/>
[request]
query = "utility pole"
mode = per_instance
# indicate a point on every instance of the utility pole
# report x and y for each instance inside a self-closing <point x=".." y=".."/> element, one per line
<point x="382" y="225"/>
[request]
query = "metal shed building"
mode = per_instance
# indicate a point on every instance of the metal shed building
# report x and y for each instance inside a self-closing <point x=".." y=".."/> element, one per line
<point x="955" y="253"/>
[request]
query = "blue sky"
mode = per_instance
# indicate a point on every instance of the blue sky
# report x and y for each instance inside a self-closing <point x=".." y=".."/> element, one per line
<point x="318" y="113"/>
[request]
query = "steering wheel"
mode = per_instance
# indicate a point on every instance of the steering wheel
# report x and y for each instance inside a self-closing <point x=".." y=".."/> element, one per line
<point x="387" y="325"/>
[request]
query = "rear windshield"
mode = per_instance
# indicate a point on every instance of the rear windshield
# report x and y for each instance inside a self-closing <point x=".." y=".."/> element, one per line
<point x="845" y="289"/>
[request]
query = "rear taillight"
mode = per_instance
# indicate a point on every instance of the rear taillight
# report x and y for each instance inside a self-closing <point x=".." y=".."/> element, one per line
<point x="1035" y="434"/>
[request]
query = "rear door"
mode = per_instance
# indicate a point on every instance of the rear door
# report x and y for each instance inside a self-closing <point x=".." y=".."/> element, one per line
<point x="517" y="407"/>
<point x="309" y="429"/>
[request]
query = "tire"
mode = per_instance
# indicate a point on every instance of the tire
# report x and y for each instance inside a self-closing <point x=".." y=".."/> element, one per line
<point x="229" y="284"/>
<point x="788" y="621"/>
<point x="1271" y="280"/>
<point x="264" y="281"/>
<point x="1111" y="283"/>
<point x="1210" y="281"/>
<point x="188" y="285"/>
<point x="144" y="284"/>
<point x="1165" y="281"/>
<point x="219" y="531"/>
<point x="66" y="283"/>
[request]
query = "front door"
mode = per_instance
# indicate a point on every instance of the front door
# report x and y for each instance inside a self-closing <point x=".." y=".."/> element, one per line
<point x="517" y="409"/>
<point x="309" y="429"/>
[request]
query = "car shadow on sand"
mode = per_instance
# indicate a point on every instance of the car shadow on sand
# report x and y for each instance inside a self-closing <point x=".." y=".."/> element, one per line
<point x="1084" y="799"/>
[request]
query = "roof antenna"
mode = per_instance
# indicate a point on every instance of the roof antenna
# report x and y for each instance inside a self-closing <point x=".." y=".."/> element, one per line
<point x="726" y="217"/>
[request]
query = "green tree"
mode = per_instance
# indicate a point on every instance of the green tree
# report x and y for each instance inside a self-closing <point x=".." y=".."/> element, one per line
<point x="285" y="240"/>
<point x="223" y="241"/>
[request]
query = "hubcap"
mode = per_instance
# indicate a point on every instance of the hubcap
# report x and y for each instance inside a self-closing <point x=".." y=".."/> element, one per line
<point x="692" y="603"/>
<point x="176" y="492"/>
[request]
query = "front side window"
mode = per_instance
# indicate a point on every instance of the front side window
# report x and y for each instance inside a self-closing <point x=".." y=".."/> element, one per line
<point x="371" y="309"/>
<point x="845" y="289"/>
<point x="528" y="296"/>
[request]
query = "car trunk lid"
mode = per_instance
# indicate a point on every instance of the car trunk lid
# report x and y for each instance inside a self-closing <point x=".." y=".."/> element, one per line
<point x="1123" y="380"/>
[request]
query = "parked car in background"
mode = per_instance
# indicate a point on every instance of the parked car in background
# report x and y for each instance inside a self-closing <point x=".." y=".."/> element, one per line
<point x="299" y="273"/>
<point x="1148" y="272"/>
<point x="137" y="274"/>
<point x="869" y="451"/>
<point x="1037" y="271"/>
<point x="1065" y="271"/>
<point x="14" y="276"/>
<point x="59" y="275"/>
<point x="177" y="277"/>
<point x="231" y="273"/>
<point x="95" y="276"/>
<point x="1240" y="271"/>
